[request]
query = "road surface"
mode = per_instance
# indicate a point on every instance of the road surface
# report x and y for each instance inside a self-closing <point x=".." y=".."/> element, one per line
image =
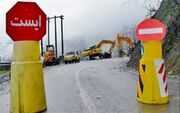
<point x="99" y="86"/>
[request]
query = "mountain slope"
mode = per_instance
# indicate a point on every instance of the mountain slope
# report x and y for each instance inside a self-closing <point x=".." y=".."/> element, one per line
<point x="169" y="14"/>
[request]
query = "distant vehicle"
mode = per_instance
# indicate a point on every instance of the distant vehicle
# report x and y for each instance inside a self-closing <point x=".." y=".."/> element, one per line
<point x="49" y="56"/>
<point x="96" y="50"/>
<point x="71" y="57"/>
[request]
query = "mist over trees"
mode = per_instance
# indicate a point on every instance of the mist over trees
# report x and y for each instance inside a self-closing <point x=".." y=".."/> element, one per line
<point x="97" y="24"/>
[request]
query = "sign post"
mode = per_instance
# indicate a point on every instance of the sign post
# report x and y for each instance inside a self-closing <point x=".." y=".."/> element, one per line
<point x="152" y="84"/>
<point x="26" y="25"/>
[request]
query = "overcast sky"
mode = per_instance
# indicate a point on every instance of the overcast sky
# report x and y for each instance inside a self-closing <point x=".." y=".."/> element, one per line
<point x="86" y="20"/>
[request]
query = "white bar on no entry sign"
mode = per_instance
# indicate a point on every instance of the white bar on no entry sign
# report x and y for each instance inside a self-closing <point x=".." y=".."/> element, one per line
<point x="151" y="31"/>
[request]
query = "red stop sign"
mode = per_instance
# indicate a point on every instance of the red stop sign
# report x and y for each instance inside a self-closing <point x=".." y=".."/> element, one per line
<point x="26" y="21"/>
<point x="150" y="29"/>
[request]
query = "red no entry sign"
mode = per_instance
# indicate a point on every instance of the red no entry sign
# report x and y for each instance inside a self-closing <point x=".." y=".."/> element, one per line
<point x="150" y="29"/>
<point x="25" y="21"/>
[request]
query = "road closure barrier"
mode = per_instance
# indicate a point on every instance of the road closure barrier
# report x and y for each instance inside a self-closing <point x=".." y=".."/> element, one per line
<point x="26" y="28"/>
<point x="152" y="86"/>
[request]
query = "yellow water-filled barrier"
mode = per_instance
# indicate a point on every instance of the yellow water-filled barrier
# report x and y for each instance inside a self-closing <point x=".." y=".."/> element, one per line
<point x="27" y="83"/>
<point x="152" y="85"/>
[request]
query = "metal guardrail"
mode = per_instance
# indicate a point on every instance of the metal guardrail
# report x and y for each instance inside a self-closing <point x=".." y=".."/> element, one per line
<point x="5" y="77"/>
<point x="5" y="63"/>
<point x="5" y="66"/>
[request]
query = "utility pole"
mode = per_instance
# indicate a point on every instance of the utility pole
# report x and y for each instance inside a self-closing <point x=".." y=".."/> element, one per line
<point x="41" y="47"/>
<point x="55" y="35"/>
<point x="55" y="25"/>
<point x="62" y="40"/>
<point x="48" y="19"/>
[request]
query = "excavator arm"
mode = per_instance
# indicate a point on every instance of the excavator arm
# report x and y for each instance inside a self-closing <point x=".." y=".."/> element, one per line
<point x="129" y="41"/>
<point x="119" y="42"/>
<point x="112" y="47"/>
<point x="126" y="39"/>
<point x="101" y="43"/>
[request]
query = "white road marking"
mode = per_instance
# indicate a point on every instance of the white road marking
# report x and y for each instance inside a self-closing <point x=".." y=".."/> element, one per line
<point x="84" y="96"/>
<point x="151" y="31"/>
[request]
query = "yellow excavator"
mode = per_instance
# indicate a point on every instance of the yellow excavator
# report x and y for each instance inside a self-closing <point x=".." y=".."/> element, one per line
<point x="120" y="45"/>
<point x="49" y="56"/>
<point x="96" y="50"/>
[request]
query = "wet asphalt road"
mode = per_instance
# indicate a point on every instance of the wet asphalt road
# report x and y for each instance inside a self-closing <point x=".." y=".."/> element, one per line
<point x="99" y="86"/>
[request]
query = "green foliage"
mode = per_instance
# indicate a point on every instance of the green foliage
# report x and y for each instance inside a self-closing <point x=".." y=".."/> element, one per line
<point x="4" y="71"/>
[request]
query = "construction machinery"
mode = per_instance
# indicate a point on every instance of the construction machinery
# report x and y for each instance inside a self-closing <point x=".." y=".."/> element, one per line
<point x="49" y="56"/>
<point x="96" y="50"/>
<point x="71" y="57"/>
<point x="120" y="44"/>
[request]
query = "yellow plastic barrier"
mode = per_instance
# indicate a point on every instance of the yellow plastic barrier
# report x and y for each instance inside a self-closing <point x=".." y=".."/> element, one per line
<point x="27" y="82"/>
<point x="152" y="85"/>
